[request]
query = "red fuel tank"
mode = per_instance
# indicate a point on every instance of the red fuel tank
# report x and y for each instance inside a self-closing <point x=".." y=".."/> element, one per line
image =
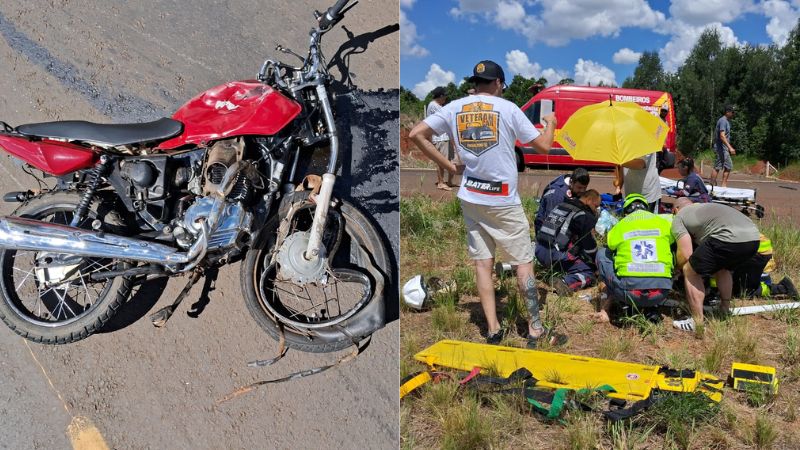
<point x="233" y="109"/>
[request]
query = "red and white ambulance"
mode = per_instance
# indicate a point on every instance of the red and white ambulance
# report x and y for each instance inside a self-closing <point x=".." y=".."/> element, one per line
<point x="565" y="100"/>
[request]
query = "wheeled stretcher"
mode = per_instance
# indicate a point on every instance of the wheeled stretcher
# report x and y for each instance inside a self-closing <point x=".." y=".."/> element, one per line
<point x="743" y="199"/>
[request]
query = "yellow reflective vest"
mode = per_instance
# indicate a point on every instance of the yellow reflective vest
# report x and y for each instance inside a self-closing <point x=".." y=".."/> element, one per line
<point x="641" y="243"/>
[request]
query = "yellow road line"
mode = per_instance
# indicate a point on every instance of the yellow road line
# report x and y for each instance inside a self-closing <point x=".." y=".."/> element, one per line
<point x="82" y="433"/>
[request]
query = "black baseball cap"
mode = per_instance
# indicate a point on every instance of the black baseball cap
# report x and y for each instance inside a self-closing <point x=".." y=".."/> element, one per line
<point x="487" y="71"/>
<point x="438" y="92"/>
<point x="730" y="108"/>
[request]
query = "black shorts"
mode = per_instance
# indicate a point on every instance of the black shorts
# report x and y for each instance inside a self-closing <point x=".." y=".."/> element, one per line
<point x="714" y="255"/>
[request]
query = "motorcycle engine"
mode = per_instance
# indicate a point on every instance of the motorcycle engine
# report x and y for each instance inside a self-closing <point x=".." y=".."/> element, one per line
<point x="233" y="229"/>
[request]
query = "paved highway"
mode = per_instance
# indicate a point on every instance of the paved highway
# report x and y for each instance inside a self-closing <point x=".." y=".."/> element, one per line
<point x="137" y="387"/>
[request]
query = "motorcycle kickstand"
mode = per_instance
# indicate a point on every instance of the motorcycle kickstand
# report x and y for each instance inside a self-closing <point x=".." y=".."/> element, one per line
<point x="160" y="317"/>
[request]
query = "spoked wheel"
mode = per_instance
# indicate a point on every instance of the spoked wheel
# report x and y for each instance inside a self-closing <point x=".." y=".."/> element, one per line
<point x="314" y="299"/>
<point x="51" y="297"/>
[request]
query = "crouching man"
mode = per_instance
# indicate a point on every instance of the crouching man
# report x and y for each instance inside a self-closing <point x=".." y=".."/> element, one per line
<point x="565" y="242"/>
<point x="636" y="267"/>
<point x="725" y="240"/>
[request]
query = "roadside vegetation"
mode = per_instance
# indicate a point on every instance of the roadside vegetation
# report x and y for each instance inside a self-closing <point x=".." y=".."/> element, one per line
<point x="445" y="415"/>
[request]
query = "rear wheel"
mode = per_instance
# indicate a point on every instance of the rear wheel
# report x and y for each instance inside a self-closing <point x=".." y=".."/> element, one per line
<point x="314" y="302"/>
<point x="50" y="297"/>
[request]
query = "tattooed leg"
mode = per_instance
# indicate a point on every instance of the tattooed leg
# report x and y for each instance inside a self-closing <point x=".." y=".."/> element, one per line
<point x="532" y="303"/>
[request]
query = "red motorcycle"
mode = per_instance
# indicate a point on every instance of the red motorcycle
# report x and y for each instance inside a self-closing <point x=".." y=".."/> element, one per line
<point x="219" y="181"/>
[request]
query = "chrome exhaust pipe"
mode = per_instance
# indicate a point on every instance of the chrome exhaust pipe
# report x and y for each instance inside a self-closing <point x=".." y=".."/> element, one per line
<point x="26" y="234"/>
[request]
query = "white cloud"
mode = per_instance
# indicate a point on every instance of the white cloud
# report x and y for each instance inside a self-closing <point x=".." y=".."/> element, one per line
<point x="407" y="3"/>
<point x="409" y="37"/>
<point x="626" y="56"/>
<point x="783" y="18"/>
<point x="509" y="15"/>
<point x="561" y="21"/>
<point x="590" y="72"/>
<point x="436" y="76"/>
<point x="553" y="76"/>
<point x="518" y="62"/>
<point x="693" y="12"/>
<point x="684" y="38"/>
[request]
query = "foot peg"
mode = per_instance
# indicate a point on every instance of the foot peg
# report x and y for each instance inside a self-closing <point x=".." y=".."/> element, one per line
<point x="160" y="317"/>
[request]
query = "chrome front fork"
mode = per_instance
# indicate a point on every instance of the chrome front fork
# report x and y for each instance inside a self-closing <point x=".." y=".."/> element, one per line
<point x="314" y="249"/>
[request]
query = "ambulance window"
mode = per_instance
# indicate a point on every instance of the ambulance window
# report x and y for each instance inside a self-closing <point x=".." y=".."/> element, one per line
<point x="533" y="112"/>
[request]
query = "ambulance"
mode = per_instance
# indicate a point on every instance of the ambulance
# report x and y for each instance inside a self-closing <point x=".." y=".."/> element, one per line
<point x="565" y="100"/>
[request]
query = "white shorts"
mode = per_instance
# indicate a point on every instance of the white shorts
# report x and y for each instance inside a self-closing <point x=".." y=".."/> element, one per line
<point x="503" y="229"/>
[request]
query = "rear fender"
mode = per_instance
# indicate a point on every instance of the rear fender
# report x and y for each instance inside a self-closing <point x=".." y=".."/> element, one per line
<point x="53" y="157"/>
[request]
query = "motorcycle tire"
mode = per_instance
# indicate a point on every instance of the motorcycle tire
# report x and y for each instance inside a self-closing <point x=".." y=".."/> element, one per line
<point x="29" y="323"/>
<point x="358" y="230"/>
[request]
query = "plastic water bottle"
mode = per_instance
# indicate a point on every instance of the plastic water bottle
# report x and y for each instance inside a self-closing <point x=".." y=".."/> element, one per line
<point x="605" y="222"/>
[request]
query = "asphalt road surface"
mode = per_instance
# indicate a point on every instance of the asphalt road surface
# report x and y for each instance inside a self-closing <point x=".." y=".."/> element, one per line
<point x="135" y="386"/>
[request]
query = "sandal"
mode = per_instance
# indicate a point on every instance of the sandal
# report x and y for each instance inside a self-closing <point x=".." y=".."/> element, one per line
<point x="554" y="338"/>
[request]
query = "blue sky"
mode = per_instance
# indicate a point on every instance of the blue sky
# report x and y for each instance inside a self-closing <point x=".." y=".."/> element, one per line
<point x="587" y="40"/>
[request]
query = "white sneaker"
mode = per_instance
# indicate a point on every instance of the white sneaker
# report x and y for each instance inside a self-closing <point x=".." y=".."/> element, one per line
<point x="685" y="324"/>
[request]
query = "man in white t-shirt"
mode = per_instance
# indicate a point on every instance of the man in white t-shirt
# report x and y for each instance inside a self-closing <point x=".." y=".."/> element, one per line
<point x="441" y="141"/>
<point x="484" y="128"/>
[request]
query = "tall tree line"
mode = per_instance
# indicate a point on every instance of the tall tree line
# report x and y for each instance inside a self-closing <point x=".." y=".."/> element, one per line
<point x="759" y="81"/>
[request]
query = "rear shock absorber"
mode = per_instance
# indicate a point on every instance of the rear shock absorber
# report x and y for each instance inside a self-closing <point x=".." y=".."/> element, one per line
<point x="96" y="174"/>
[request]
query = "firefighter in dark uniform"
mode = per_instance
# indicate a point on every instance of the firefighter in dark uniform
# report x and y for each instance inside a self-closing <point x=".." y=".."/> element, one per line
<point x="565" y="242"/>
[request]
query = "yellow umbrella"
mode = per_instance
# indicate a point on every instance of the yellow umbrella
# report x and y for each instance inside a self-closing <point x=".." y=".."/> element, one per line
<point x="613" y="132"/>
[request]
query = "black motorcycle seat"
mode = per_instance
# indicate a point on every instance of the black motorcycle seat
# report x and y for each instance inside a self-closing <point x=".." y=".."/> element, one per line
<point x="105" y="134"/>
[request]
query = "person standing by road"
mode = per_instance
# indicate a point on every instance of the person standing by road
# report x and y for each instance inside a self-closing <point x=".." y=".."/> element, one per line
<point x="723" y="148"/>
<point x="441" y="141"/>
<point x="484" y="128"/>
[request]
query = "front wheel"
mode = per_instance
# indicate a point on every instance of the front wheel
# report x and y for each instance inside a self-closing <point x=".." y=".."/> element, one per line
<point x="323" y="305"/>
<point x="50" y="297"/>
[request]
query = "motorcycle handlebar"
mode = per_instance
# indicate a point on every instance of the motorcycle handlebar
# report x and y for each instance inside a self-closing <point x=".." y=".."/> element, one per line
<point x="331" y="16"/>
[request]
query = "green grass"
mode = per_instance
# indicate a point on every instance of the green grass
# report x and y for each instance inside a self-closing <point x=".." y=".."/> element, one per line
<point x="615" y="346"/>
<point x="466" y="427"/>
<point x="679" y="359"/>
<point x="746" y="349"/>
<point x="444" y="416"/>
<point x="763" y="434"/>
<point x="759" y="395"/>
<point x="624" y="435"/>
<point x="787" y="316"/>
<point x="791" y="351"/>
<point x="679" y="415"/>
<point x="447" y="321"/>
<point x="722" y="341"/>
<point x="581" y="431"/>
<point x="785" y="236"/>
<point x="790" y="172"/>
